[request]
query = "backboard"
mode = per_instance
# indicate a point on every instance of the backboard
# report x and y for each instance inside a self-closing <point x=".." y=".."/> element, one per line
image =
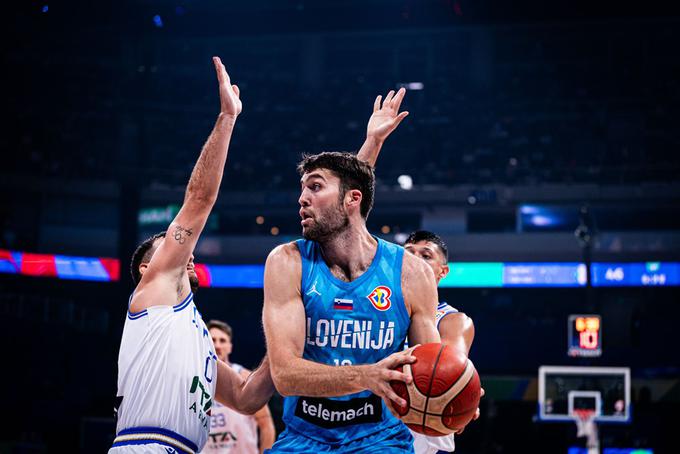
<point x="564" y="389"/>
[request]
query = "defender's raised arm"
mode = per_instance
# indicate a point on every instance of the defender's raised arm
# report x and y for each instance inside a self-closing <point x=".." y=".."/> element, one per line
<point x="174" y="253"/>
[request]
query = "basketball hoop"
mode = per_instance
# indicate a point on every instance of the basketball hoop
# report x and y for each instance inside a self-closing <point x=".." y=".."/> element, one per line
<point x="586" y="427"/>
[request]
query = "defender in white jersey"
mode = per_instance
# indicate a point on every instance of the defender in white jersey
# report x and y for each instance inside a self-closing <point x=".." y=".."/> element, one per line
<point x="168" y="372"/>
<point x="455" y="328"/>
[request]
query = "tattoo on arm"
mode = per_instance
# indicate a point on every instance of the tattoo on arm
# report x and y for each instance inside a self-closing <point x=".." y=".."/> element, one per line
<point x="181" y="234"/>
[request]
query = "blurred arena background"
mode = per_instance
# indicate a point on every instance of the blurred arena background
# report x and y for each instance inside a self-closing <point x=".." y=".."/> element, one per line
<point x="542" y="144"/>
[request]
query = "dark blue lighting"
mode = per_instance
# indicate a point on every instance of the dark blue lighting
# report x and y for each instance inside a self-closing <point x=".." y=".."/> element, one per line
<point x="158" y="21"/>
<point x="45" y="8"/>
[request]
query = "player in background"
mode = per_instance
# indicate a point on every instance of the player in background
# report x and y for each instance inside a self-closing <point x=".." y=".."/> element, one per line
<point x="338" y="305"/>
<point x="230" y="431"/>
<point x="455" y="328"/>
<point x="168" y="372"/>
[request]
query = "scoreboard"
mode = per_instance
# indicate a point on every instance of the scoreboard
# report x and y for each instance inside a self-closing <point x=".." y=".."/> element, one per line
<point x="635" y="274"/>
<point x="585" y="335"/>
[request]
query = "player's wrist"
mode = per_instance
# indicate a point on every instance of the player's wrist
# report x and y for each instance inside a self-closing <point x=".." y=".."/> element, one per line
<point x="360" y="375"/>
<point x="372" y="139"/>
<point x="229" y="118"/>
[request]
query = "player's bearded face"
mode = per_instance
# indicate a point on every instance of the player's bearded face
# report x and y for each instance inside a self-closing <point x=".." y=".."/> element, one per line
<point x="327" y="221"/>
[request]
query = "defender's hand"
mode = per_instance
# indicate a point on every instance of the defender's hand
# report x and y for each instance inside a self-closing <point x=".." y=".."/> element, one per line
<point x="377" y="377"/>
<point x="386" y="116"/>
<point x="230" y="103"/>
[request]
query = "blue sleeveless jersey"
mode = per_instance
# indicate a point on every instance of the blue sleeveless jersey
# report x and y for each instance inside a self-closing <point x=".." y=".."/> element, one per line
<point x="358" y="322"/>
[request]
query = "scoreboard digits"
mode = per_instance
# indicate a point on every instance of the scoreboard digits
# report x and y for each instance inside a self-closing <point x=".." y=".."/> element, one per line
<point x="585" y="335"/>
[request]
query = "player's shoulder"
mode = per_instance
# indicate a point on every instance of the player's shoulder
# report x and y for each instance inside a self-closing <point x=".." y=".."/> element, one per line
<point x="416" y="267"/>
<point x="285" y="251"/>
<point x="285" y="256"/>
<point x="157" y="292"/>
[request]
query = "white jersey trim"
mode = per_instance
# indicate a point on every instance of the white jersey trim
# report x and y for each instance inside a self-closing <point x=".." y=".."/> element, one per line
<point x="178" y="307"/>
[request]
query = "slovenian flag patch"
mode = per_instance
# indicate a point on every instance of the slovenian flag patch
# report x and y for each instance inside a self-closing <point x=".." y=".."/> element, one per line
<point x="343" y="304"/>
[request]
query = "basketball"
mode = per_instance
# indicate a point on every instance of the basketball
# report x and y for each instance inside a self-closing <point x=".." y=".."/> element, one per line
<point x="444" y="394"/>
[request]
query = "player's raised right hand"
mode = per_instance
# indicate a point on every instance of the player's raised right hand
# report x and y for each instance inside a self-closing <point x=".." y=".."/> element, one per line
<point x="377" y="377"/>
<point x="230" y="102"/>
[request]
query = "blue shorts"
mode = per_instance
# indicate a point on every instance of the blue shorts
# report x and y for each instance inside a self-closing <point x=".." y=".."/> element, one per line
<point x="396" y="439"/>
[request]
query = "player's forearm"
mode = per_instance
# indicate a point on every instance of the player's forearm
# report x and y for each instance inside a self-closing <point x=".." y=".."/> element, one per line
<point x="206" y="177"/>
<point x="256" y="390"/>
<point x="370" y="150"/>
<point x="458" y="330"/>
<point x="301" y="377"/>
<point x="244" y="395"/>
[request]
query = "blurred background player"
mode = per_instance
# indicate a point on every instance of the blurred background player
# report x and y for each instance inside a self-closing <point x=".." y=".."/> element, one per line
<point x="231" y="431"/>
<point x="356" y="297"/>
<point x="168" y="373"/>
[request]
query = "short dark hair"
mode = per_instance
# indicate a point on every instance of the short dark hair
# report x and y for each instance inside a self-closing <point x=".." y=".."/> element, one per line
<point x="224" y="326"/>
<point x="426" y="235"/>
<point x="142" y="254"/>
<point x="353" y="174"/>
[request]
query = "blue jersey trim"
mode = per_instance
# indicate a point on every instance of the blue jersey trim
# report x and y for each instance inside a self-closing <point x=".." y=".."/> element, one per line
<point x="449" y="310"/>
<point x="154" y="430"/>
<point x="184" y="303"/>
<point x="134" y="315"/>
<point x="178" y="307"/>
<point x="137" y="315"/>
<point x="150" y="442"/>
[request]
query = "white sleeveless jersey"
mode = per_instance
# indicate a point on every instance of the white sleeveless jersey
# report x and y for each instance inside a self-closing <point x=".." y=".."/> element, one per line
<point x="230" y="431"/>
<point x="423" y="444"/>
<point x="167" y="371"/>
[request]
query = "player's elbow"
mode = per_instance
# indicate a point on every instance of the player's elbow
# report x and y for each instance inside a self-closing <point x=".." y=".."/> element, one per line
<point x="247" y="408"/>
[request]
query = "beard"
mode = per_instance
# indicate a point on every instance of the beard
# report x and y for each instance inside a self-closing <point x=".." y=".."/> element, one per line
<point x="193" y="282"/>
<point x="327" y="224"/>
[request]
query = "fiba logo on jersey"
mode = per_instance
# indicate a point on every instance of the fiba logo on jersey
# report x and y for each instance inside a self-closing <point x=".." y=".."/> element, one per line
<point x="380" y="297"/>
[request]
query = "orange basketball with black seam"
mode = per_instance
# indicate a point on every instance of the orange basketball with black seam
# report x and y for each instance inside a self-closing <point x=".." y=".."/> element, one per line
<point x="444" y="394"/>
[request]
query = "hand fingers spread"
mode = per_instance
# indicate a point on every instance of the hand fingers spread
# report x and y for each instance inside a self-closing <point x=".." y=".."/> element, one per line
<point x="391" y="395"/>
<point x="390" y="407"/>
<point x="410" y="349"/>
<point x="376" y="103"/>
<point x="399" y="359"/>
<point x="399" y="117"/>
<point x="388" y="98"/>
<point x="397" y="376"/>
<point x="396" y="102"/>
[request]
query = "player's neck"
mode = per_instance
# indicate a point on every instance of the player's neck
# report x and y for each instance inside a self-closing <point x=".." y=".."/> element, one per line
<point x="349" y="253"/>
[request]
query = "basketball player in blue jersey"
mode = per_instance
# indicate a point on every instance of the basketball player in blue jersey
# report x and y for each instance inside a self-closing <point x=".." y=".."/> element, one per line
<point x="455" y="328"/>
<point x="168" y="372"/>
<point x="338" y="305"/>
